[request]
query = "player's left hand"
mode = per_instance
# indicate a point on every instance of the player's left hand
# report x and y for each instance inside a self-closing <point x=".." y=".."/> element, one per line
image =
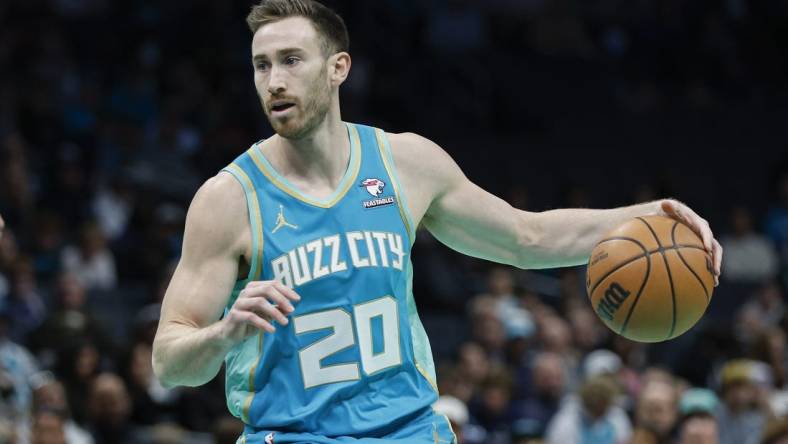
<point x="677" y="210"/>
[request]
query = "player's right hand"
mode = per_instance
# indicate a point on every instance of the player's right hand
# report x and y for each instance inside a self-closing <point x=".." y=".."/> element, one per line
<point x="258" y="305"/>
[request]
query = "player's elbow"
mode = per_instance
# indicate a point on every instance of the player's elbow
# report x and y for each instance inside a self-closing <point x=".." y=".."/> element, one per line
<point x="162" y="367"/>
<point x="159" y="365"/>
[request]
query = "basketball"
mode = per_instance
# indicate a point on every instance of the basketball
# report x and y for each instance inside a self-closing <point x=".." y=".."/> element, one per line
<point x="650" y="279"/>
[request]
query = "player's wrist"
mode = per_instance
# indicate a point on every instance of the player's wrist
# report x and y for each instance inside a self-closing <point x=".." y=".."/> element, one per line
<point x="223" y="335"/>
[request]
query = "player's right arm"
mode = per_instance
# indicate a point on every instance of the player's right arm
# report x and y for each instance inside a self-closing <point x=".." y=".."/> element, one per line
<point x="192" y="341"/>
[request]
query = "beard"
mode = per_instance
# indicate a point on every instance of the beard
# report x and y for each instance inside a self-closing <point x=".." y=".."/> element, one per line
<point x="307" y="115"/>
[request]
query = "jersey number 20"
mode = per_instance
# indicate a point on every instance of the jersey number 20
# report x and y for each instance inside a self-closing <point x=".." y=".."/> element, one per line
<point x="341" y="322"/>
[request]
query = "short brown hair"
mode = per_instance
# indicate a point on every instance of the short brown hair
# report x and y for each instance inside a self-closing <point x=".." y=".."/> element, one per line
<point x="329" y="24"/>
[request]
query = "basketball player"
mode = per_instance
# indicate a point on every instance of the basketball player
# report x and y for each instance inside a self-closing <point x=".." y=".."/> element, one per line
<point x="296" y="268"/>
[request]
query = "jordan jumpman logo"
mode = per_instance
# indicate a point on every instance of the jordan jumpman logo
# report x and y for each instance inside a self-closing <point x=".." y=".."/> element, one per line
<point x="281" y="222"/>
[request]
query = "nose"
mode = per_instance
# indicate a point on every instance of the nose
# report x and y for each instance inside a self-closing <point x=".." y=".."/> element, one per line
<point x="276" y="82"/>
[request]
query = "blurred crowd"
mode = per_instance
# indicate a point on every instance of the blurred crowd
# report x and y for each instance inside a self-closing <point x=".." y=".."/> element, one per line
<point x="113" y="113"/>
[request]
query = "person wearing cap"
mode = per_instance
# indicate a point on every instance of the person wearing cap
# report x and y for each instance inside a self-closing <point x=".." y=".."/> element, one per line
<point x="699" y="429"/>
<point x="744" y="410"/>
<point x="697" y="424"/>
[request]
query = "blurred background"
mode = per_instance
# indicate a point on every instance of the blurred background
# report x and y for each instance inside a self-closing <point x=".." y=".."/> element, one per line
<point x="113" y="113"/>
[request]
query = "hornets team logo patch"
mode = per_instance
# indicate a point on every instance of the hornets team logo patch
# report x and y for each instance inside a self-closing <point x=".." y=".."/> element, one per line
<point x="375" y="188"/>
<point x="269" y="438"/>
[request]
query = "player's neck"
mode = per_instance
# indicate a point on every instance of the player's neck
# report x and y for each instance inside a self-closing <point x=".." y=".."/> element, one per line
<point x="322" y="157"/>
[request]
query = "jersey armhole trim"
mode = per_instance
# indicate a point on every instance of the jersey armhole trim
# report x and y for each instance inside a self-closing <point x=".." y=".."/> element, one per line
<point x="388" y="163"/>
<point x="255" y="220"/>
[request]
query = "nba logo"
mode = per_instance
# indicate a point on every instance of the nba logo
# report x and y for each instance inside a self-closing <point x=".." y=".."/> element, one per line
<point x="269" y="438"/>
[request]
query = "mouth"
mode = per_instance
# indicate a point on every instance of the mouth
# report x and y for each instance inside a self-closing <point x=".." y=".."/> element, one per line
<point x="281" y="107"/>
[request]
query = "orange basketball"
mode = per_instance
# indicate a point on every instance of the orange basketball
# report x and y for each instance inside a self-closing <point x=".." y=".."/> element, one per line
<point x="650" y="279"/>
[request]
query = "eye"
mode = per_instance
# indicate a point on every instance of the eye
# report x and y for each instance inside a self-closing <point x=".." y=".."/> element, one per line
<point x="261" y="66"/>
<point x="292" y="60"/>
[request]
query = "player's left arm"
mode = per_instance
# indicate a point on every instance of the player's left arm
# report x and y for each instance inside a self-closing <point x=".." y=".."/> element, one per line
<point x="472" y="221"/>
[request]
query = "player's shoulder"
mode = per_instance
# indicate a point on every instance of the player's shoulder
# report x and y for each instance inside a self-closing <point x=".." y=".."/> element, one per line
<point x="411" y="143"/>
<point x="221" y="195"/>
<point x="218" y="212"/>
<point x="416" y="152"/>
<point x="221" y="190"/>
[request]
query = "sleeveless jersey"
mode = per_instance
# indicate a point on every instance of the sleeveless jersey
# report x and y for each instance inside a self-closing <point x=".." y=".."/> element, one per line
<point x="354" y="363"/>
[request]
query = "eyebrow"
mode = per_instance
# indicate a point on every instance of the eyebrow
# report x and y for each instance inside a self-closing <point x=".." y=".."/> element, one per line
<point x="280" y="52"/>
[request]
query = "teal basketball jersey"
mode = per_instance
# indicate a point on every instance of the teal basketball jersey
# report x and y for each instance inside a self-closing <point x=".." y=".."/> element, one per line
<point x="353" y="364"/>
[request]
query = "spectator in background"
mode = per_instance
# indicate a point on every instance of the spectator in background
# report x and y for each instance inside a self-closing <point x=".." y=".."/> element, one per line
<point x="48" y="427"/>
<point x="768" y="304"/>
<point x="91" y="262"/>
<point x="698" y="424"/>
<point x="473" y="368"/>
<point x="749" y="256"/>
<point x="109" y="411"/>
<point x="70" y="324"/>
<point x="2" y="226"/>
<point x="77" y="366"/>
<point x="554" y="335"/>
<point x="49" y="394"/>
<point x="113" y="207"/>
<point x="776" y="432"/>
<point x="501" y="304"/>
<point x="491" y="408"/>
<point x="151" y="402"/>
<point x="16" y="366"/>
<point x="744" y="409"/>
<point x="770" y="347"/>
<point x="48" y="244"/>
<point x="588" y="333"/>
<point x="546" y="388"/>
<point x="594" y="418"/>
<point x="16" y="192"/>
<point x="488" y="330"/>
<point x="69" y="177"/>
<point x="699" y="429"/>
<point x="657" y="411"/>
<point x="25" y="306"/>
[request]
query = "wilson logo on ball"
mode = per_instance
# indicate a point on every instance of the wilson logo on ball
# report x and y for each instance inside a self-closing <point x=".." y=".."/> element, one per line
<point x="614" y="296"/>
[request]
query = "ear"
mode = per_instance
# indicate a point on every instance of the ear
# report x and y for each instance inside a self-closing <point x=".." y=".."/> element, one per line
<point x="338" y="68"/>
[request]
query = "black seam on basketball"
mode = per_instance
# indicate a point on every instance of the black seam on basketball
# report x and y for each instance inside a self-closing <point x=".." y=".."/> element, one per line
<point x="678" y="251"/>
<point x="672" y="295"/>
<point x="633" y="259"/>
<point x="653" y="233"/>
<point x="694" y="247"/>
<point x="670" y="276"/>
<point x="637" y="297"/>
<point x="607" y="239"/>
<point x="623" y="264"/>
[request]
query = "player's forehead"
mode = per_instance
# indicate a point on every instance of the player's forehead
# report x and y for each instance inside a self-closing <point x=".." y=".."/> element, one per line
<point x="288" y="33"/>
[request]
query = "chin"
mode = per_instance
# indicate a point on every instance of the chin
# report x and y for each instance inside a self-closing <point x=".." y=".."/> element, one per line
<point x="296" y="129"/>
<point x="289" y="130"/>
